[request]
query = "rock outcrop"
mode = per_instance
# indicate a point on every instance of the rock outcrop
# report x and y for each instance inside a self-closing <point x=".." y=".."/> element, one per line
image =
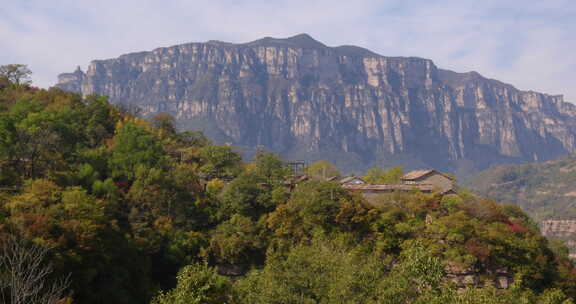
<point x="563" y="230"/>
<point x="500" y="277"/>
<point x="558" y="227"/>
<point x="345" y="104"/>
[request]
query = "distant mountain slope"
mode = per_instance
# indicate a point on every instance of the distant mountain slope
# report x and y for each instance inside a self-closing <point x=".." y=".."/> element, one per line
<point x="344" y="104"/>
<point x="546" y="190"/>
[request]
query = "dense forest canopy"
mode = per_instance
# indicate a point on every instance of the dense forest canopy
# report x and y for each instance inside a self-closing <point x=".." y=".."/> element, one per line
<point x="136" y="212"/>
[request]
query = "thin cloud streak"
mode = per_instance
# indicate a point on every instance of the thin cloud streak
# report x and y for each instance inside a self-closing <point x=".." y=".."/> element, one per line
<point x="524" y="43"/>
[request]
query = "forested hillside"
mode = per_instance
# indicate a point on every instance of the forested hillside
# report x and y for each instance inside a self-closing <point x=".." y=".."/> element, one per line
<point x="136" y="212"/>
<point x="545" y="190"/>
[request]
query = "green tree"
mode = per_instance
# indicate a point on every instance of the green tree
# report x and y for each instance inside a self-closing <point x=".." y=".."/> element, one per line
<point x="236" y="241"/>
<point x="194" y="139"/>
<point x="40" y="143"/>
<point x="197" y="284"/>
<point x="164" y="123"/>
<point x="247" y="195"/>
<point x="18" y="74"/>
<point x="134" y="146"/>
<point x="219" y="162"/>
<point x="320" y="272"/>
<point x="100" y="120"/>
<point x="8" y="137"/>
<point x="315" y="206"/>
<point x="322" y="170"/>
<point x="380" y="176"/>
<point x="103" y="265"/>
<point x="8" y="151"/>
<point x="270" y="166"/>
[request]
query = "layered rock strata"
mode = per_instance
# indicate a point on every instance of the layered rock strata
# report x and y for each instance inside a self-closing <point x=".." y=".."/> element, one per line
<point x="345" y="104"/>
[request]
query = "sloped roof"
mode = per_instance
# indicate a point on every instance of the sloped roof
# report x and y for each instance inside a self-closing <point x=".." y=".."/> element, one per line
<point x="333" y="178"/>
<point x="415" y="174"/>
<point x="397" y="187"/>
<point x="297" y="179"/>
<point x="390" y="187"/>
<point x="349" y="179"/>
<point x="302" y="178"/>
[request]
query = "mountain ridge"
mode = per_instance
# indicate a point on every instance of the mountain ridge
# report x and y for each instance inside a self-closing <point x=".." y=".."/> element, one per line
<point x="270" y="41"/>
<point x="304" y="99"/>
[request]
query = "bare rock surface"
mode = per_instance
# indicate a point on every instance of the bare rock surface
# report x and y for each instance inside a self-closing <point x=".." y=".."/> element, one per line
<point x="345" y="104"/>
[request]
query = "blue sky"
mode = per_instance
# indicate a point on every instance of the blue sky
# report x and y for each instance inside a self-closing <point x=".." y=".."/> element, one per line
<point x="530" y="44"/>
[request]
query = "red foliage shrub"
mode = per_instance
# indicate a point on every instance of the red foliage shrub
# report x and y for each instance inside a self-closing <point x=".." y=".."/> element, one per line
<point x="478" y="249"/>
<point x="123" y="186"/>
<point x="516" y="227"/>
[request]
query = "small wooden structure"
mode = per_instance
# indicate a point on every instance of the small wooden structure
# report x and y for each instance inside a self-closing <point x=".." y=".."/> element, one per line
<point x="297" y="167"/>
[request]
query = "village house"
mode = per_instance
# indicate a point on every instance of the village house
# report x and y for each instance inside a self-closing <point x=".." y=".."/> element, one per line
<point x="439" y="180"/>
<point x="426" y="181"/>
<point x="372" y="192"/>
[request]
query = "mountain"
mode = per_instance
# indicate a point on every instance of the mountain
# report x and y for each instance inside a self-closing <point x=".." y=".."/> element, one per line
<point x="547" y="191"/>
<point x="344" y="104"/>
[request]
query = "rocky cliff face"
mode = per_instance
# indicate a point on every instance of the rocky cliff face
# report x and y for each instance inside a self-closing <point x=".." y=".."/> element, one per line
<point x="558" y="228"/>
<point x="344" y="104"/>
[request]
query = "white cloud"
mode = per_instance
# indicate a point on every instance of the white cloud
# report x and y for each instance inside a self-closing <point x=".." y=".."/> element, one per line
<point x="526" y="43"/>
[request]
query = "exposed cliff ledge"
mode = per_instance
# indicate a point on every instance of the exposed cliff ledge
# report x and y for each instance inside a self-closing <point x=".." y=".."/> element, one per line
<point x="561" y="229"/>
<point x="345" y="104"/>
<point x="558" y="227"/>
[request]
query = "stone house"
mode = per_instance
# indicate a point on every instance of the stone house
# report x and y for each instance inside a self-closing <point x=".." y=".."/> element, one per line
<point x="443" y="182"/>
